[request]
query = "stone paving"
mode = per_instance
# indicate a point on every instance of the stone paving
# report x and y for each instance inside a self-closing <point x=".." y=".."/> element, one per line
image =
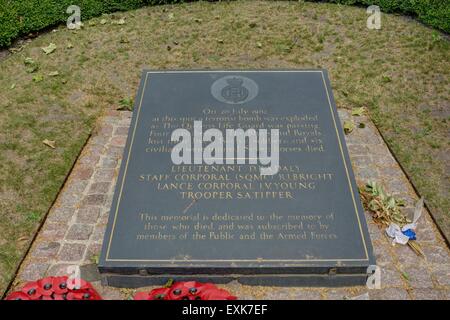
<point x="73" y="231"/>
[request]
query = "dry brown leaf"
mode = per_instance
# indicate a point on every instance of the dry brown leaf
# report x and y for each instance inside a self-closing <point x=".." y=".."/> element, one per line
<point x="49" y="143"/>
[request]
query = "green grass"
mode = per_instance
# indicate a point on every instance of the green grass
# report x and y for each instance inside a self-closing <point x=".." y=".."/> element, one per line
<point x="400" y="73"/>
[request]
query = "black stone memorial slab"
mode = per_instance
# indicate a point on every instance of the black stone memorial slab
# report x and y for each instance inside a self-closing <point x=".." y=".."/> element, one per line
<point x="216" y="222"/>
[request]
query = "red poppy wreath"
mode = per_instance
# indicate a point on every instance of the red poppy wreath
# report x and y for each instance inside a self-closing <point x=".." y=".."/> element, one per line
<point x="56" y="288"/>
<point x="189" y="290"/>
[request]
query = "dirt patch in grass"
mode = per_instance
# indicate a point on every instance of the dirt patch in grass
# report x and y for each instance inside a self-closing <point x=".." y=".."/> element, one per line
<point x="400" y="73"/>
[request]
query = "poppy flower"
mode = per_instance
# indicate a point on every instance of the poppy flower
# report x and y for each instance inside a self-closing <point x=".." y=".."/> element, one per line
<point x="91" y="294"/>
<point x="159" y="294"/>
<point x="56" y="288"/>
<point x="83" y="294"/>
<point x="59" y="285"/>
<point x="178" y="291"/>
<point x="45" y="286"/>
<point x="31" y="290"/>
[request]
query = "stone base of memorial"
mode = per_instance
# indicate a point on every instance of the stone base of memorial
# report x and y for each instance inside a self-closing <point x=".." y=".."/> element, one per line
<point x="303" y="225"/>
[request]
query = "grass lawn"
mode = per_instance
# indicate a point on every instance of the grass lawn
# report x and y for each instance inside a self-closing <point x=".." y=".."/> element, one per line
<point x="400" y="73"/>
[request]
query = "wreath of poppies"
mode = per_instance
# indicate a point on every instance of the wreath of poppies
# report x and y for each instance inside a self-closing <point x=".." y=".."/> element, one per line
<point x="56" y="288"/>
<point x="189" y="290"/>
<point x="63" y="288"/>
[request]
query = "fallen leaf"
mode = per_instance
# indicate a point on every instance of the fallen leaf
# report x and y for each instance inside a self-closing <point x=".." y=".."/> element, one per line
<point x="32" y="66"/>
<point x="220" y="40"/>
<point x="49" y="49"/>
<point x="358" y="111"/>
<point x="28" y="61"/>
<point x="91" y="23"/>
<point x="259" y="44"/>
<point x="103" y="21"/>
<point x="53" y="73"/>
<point x="38" y="78"/>
<point x="49" y="143"/>
<point x="12" y="86"/>
<point x="384" y="208"/>
<point x="169" y="283"/>
<point x="120" y="21"/>
<point x="171" y="16"/>
<point x="69" y="46"/>
<point x="198" y="20"/>
<point x="348" y="126"/>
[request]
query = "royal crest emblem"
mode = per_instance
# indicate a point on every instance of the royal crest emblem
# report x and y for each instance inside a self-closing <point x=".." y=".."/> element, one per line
<point x="234" y="89"/>
<point x="234" y="92"/>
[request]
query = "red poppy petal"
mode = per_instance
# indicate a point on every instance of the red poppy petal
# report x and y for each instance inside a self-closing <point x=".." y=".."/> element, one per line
<point x="177" y="291"/>
<point x="177" y="285"/>
<point x="31" y="289"/>
<point x="177" y="295"/>
<point x="60" y="285"/>
<point x="159" y="291"/>
<point x="45" y="286"/>
<point x="17" y="295"/>
<point x="59" y="297"/>
<point x="70" y="296"/>
<point x="216" y="294"/>
<point x="200" y="287"/>
<point x="94" y="295"/>
<point x="75" y="296"/>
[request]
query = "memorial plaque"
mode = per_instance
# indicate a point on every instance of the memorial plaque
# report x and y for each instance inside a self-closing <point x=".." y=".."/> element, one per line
<point x="302" y="224"/>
